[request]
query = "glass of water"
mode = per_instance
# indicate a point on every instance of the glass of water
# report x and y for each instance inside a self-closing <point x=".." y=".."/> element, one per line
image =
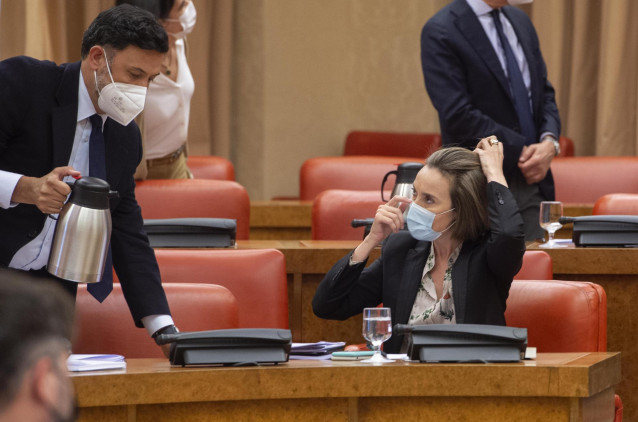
<point x="551" y="212"/>
<point x="377" y="328"/>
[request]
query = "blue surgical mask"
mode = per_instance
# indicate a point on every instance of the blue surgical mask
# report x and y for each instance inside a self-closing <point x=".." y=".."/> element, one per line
<point x="420" y="223"/>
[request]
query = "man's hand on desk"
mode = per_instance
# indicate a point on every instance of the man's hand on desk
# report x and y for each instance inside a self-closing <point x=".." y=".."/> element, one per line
<point x="169" y="329"/>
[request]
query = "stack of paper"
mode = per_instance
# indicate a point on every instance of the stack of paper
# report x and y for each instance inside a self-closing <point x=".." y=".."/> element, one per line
<point x="95" y="362"/>
<point x="319" y="350"/>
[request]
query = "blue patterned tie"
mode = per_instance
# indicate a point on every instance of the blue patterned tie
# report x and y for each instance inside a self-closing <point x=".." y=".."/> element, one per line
<point x="517" y="85"/>
<point x="97" y="168"/>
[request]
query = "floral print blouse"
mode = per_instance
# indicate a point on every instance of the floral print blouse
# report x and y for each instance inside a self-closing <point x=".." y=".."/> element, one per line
<point x="427" y="309"/>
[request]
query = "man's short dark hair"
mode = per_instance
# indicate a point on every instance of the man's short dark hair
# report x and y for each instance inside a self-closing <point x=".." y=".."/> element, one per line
<point x="125" y="25"/>
<point x="160" y="8"/>
<point x="36" y="319"/>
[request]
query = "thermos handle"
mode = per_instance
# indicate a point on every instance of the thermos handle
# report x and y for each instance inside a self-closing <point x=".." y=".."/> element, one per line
<point x="52" y="217"/>
<point x="383" y="183"/>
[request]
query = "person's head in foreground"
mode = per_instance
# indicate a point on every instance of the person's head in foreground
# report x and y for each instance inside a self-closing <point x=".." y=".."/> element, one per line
<point x="35" y="327"/>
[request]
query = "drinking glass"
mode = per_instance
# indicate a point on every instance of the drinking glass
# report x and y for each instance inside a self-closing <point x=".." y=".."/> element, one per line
<point x="551" y="212"/>
<point x="377" y="328"/>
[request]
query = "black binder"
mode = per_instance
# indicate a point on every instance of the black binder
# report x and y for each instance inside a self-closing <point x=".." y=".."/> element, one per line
<point x="241" y="346"/>
<point x="604" y="230"/>
<point x="464" y="342"/>
<point x="191" y="232"/>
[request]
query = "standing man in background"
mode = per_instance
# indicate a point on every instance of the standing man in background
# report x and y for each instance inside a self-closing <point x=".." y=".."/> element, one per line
<point x="485" y="75"/>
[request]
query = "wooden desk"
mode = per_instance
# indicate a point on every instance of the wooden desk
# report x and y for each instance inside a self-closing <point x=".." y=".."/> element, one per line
<point x="292" y="219"/>
<point x="555" y="387"/>
<point x="616" y="269"/>
<point x="280" y="220"/>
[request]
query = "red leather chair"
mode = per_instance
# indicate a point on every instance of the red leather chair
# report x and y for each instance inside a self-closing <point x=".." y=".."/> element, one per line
<point x="108" y="327"/>
<point x="560" y="316"/>
<point x="256" y="277"/>
<point x="537" y="265"/>
<point x="210" y="167"/>
<point x="566" y="147"/>
<point x="392" y="144"/>
<point x="195" y="198"/>
<point x="333" y="211"/>
<point x="350" y="172"/>
<point x="585" y="179"/>
<point x="617" y="204"/>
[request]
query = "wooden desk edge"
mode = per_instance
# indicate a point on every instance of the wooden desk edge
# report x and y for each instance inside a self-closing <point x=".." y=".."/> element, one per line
<point x="579" y="377"/>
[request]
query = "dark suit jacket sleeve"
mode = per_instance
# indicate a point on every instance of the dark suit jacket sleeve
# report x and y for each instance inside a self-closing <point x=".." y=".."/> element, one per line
<point x="133" y="258"/>
<point x="506" y="244"/>
<point x="346" y="289"/>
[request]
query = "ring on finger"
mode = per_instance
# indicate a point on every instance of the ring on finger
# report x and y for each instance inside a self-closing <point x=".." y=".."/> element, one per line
<point x="493" y="142"/>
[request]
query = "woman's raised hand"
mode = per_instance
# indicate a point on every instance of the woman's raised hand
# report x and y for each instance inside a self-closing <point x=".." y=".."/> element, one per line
<point x="490" y="152"/>
<point x="387" y="220"/>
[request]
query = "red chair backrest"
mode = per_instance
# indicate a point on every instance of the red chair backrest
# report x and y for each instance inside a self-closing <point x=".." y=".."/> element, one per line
<point x="210" y="167"/>
<point x="333" y="211"/>
<point x="566" y="147"/>
<point x="108" y="327"/>
<point x="617" y="204"/>
<point x="256" y="277"/>
<point x="195" y="198"/>
<point x="560" y="316"/>
<point x="537" y="265"/>
<point x="393" y="144"/>
<point x="350" y="172"/>
<point x="582" y="180"/>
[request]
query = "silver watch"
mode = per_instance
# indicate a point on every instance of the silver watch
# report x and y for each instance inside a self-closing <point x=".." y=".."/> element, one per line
<point x="555" y="142"/>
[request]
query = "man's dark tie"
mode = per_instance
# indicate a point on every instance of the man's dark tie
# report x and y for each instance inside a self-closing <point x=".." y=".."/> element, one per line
<point x="517" y="85"/>
<point x="97" y="168"/>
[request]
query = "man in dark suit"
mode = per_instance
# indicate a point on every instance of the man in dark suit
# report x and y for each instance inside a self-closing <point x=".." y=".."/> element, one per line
<point x="481" y="86"/>
<point x="51" y="130"/>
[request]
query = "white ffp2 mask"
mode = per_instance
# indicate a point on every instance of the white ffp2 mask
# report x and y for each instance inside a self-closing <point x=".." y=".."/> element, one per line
<point x="121" y="102"/>
<point x="187" y="19"/>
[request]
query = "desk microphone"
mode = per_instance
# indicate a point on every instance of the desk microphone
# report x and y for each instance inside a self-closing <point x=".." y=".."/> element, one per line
<point x="403" y="328"/>
<point x="166" y="338"/>
<point x="362" y="222"/>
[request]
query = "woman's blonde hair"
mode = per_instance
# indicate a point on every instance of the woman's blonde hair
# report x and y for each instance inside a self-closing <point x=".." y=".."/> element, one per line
<point x="462" y="168"/>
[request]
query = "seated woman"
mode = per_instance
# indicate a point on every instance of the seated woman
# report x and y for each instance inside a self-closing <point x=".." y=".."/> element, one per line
<point x="455" y="264"/>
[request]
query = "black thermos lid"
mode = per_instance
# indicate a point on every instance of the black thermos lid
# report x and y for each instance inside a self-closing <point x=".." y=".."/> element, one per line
<point x="406" y="172"/>
<point x="91" y="192"/>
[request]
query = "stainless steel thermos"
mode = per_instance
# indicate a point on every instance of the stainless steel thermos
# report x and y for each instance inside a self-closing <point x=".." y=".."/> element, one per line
<point x="405" y="175"/>
<point x="83" y="232"/>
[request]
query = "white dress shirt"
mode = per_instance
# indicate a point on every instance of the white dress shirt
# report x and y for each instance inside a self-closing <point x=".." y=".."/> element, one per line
<point x="35" y="254"/>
